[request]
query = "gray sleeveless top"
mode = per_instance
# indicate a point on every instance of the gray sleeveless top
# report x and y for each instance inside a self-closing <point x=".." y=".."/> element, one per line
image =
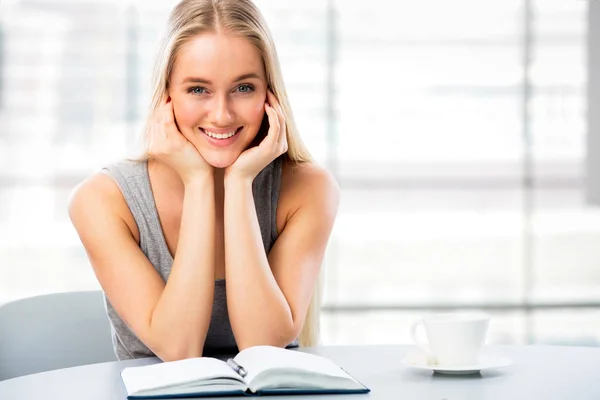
<point x="134" y="182"/>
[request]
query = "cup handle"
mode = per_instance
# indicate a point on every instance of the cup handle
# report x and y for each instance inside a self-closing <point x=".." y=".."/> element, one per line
<point x="413" y="335"/>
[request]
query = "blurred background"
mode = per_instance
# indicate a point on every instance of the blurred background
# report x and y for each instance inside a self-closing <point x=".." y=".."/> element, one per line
<point x="463" y="135"/>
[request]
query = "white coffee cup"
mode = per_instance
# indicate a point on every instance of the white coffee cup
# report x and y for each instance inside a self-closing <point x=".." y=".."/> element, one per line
<point x="453" y="338"/>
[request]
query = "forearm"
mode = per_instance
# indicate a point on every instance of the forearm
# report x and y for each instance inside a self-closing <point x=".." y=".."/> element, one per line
<point x="258" y="310"/>
<point x="181" y="317"/>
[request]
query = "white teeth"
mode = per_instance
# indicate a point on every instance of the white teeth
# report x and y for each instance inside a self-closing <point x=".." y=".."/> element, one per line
<point x="220" y="135"/>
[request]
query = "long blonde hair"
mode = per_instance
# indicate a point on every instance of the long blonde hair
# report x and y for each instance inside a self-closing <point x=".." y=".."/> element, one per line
<point x="241" y="18"/>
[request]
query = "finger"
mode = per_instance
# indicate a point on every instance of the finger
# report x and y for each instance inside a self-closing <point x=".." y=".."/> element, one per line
<point x="274" y="127"/>
<point x="272" y="100"/>
<point x="282" y="126"/>
<point x="281" y="132"/>
<point x="283" y="143"/>
<point x="160" y="135"/>
<point x="169" y="124"/>
<point x="280" y="121"/>
<point x="153" y="140"/>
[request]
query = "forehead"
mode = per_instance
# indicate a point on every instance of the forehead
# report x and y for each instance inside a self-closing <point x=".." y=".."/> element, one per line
<point x="217" y="57"/>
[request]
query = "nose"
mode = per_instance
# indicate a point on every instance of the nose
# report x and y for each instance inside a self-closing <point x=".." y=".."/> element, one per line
<point x="221" y="113"/>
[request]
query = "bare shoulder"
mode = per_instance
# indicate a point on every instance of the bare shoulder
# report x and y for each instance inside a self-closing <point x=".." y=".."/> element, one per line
<point x="308" y="178"/>
<point x="99" y="197"/>
<point x="307" y="185"/>
<point x="97" y="190"/>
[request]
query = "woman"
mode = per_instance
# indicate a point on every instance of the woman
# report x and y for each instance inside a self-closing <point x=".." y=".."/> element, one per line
<point x="214" y="239"/>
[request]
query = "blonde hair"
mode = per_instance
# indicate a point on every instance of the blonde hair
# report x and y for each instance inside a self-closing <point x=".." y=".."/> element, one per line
<point x="242" y="18"/>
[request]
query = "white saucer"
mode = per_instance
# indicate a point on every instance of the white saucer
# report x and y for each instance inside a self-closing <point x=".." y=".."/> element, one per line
<point x="485" y="362"/>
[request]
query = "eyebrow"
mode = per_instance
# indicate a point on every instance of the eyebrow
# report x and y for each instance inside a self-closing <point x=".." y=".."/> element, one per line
<point x="193" y="79"/>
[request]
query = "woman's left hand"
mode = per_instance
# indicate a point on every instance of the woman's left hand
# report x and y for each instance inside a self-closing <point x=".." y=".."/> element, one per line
<point x="255" y="159"/>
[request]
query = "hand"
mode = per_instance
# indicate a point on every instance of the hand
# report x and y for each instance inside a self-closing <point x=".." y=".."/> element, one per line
<point x="255" y="159"/>
<point x="169" y="146"/>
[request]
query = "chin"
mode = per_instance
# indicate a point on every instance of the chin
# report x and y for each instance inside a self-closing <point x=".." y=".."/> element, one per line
<point x="220" y="160"/>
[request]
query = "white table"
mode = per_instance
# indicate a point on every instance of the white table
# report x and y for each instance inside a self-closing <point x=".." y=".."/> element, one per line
<point x="538" y="372"/>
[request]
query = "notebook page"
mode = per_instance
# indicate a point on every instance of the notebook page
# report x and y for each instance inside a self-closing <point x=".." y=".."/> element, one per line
<point x="261" y="358"/>
<point x="175" y="373"/>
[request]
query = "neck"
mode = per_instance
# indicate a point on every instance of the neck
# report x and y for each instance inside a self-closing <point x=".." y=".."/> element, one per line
<point x="172" y="183"/>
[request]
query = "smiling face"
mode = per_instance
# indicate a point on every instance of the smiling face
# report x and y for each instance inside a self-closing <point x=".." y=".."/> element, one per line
<point x="218" y="88"/>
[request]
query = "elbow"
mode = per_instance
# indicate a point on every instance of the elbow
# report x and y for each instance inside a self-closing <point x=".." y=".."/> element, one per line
<point x="177" y="353"/>
<point x="242" y="345"/>
<point x="175" y="350"/>
<point x="175" y="344"/>
<point x="277" y="338"/>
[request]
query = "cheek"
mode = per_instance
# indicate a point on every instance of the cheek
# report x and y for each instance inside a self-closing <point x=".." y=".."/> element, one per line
<point x="186" y="112"/>
<point x="257" y="111"/>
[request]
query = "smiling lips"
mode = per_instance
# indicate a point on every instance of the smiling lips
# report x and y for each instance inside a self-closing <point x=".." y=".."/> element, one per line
<point x="221" y="137"/>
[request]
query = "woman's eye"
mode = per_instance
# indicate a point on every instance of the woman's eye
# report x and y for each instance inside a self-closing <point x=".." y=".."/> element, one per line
<point x="196" y="90"/>
<point x="245" y="88"/>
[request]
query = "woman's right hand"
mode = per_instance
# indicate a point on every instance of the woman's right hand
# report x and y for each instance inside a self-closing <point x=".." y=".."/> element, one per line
<point x="169" y="146"/>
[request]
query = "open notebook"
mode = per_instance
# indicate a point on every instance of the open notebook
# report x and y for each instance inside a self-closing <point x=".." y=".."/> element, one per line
<point x="266" y="370"/>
